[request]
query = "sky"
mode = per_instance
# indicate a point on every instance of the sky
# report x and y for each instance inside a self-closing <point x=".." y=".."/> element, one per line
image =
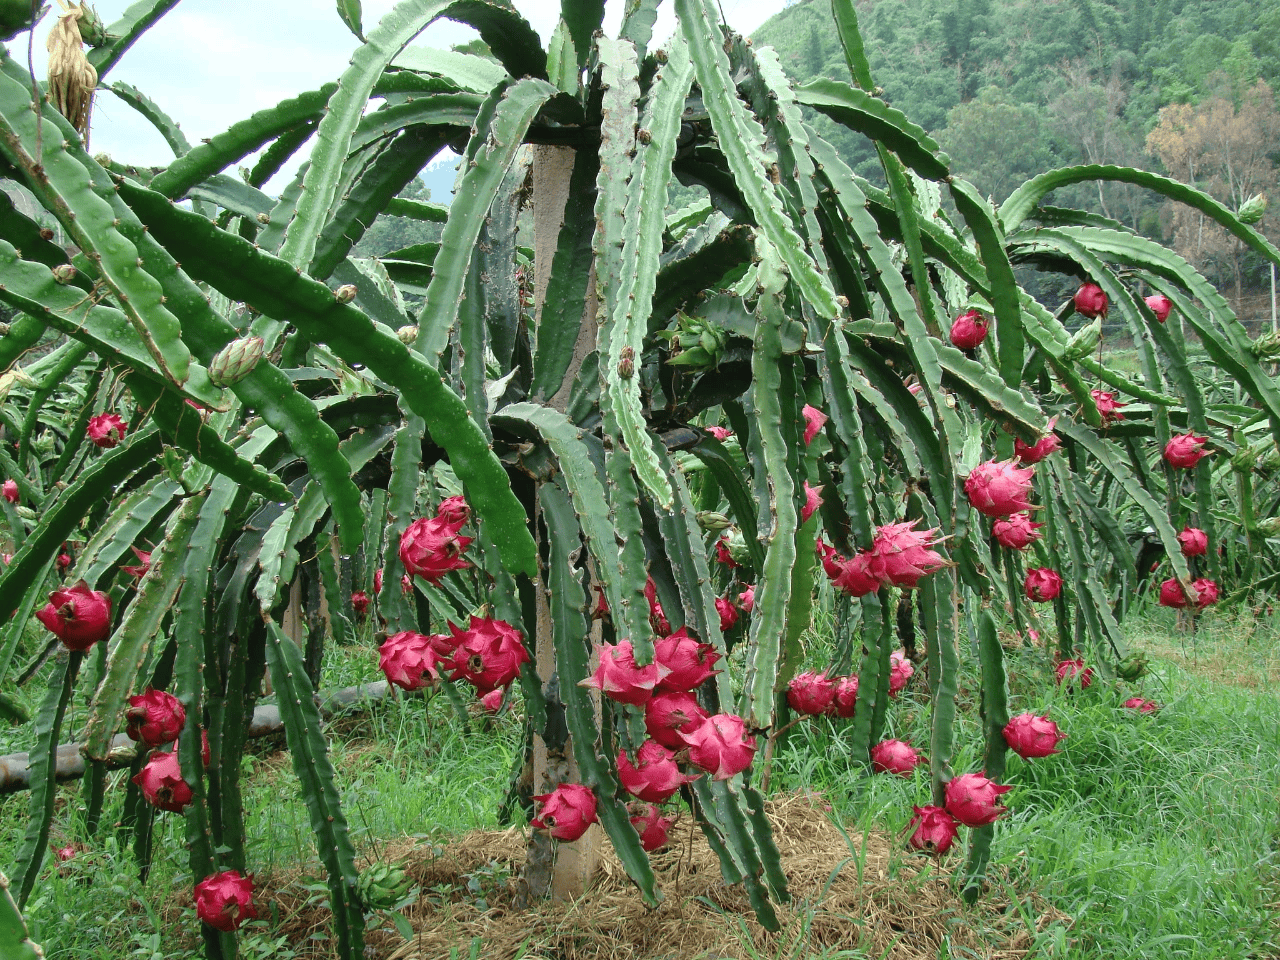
<point x="209" y="63"/>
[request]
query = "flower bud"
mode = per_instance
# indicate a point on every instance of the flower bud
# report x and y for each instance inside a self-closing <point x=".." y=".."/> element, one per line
<point x="345" y="293"/>
<point x="235" y="361"/>
<point x="64" y="273"/>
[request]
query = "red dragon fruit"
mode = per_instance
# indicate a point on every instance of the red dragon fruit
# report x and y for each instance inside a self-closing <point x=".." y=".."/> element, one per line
<point x="999" y="487"/>
<point x="971" y="799"/>
<point x="1031" y="736"/>
<point x="721" y="746"/>
<point x="566" y="812"/>
<point x="655" y="776"/>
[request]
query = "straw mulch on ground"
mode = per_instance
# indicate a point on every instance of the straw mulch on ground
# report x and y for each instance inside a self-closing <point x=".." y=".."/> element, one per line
<point x="876" y="897"/>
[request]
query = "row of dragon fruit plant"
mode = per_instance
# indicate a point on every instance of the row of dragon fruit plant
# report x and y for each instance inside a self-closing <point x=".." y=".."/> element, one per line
<point x="770" y="384"/>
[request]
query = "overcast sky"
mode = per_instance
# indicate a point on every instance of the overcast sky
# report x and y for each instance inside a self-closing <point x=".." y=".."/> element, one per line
<point x="209" y="63"/>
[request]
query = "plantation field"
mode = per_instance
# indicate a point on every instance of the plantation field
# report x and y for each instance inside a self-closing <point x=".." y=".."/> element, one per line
<point x="1149" y="836"/>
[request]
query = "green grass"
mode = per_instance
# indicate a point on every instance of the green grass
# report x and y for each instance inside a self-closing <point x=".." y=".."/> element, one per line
<point x="1155" y="833"/>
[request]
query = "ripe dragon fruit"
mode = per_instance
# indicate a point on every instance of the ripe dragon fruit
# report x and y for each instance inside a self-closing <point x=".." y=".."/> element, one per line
<point x="969" y="330"/>
<point x="1040" y="449"/>
<point x="1194" y="542"/>
<point x="999" y="487"/>
<point x="431" y="547"/>
<point x="161" y="782"/>
<point x="814" y="421"/>
<point x="971" y="799"/>
<point x="1074" y="671"/>
<point x="1185" y="451"/>
<point x="684" y="663"/>
<point x="619" y="677"/>
<point x="655" y="775"/>
<point x="811" y="694"/>
<point x="1016" y="531"/>
<point x="671" y="713"/>
<point x="410" y="660"/>
<point x="154" y="717"/>
<point x="566" y="812"/>
<point x="106" y="430"/>
<point x="1031" y="736"/>
<point x="901" y="670"/>
<point x="225" y="900"/>
<point x="1090" y="301"/>
<point x="896" y="757"/>
<point x="77" y="616"/>
<point x="1160" y="305"/>
<point x="653" y="827"/>
<point x="721" y="746"/>
<point x="846" y="698"/>
<point x="1042" y="584"/>
<point x="900" y="555"/>
<point x="934" y="831"/>
<point x="488" y="654"/>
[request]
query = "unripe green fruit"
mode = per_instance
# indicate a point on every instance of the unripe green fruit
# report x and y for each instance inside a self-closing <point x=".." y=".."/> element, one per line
<point x="1084" y="341"/>
<point x="382" y="886"/>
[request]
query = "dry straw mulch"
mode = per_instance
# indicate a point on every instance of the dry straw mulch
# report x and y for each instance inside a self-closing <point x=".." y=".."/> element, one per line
<point x="877" y="897"/>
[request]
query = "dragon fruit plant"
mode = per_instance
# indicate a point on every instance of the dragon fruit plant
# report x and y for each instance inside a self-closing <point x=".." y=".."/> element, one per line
<point x="548" y="472"/>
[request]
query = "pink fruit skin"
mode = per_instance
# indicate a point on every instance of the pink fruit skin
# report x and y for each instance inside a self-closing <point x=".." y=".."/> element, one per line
<point x="1194" y="542"/>
<point x="162" y="784"/>
<point x="1142" y="706"/>
<point x="106" y="430"/>
<point x="657" y="618"/>
<point x="901" y="670"/>
<point x="684" y="663"/>
<point x="1160" y="305"/>
<point x="747" y="598"/>
<point x="856" y="578"/>
<point x="935" y="830"/>
<point x="359" y="602"/>
<point x="846" y="698"/>
<point x="811" y="694"/>
<point x="969" y="330"/>
<point x="1090" y="301"/>
<point x="488" y="653"/>
<point x="454" y="509"/>
<point x="10" y="490"/>
<point x="1185" y="451"/>
<point x="410" y="660"/>
<point x="1016" y="531"/>
<point x="1031" y="736"/>
<point x="619" y="678"/>
<point x="721" y="746"/>
<point x="900" y="555"/>
<point x="728" y="613"/>
<point x="144" y="563"/>
<point x="225" y="900"/>
<point x="655" y="775"/>
<point x="1040" y="449"/>
<point x="812" y="501"/>
<point x="971" y="799"/>
<point x="431" y="547"/>
<point x="999" y="487"/>
<point x="723" y="555"/>
<point x="1042" y="584"/>
<point x="894" y="756"/>
<point x="77" y="616"/>
<point x="154" y="717"/>
<point x="1107" y="405"/>
<point x="814" y="421"/>
<point x="1206" y="592"/>
<point x="670" y="714"/>
<point x="566" y="812"/>
<point x="1074" y="671"/>
<point x="652" y="826"/>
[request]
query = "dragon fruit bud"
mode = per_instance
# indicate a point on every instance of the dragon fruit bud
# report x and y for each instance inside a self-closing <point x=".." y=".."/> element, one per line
<point x="1016" y="531"/>
<point x="811" y="694"/>
<point x="721" y="746"/>
<point x="814" y="421"/>
<point x="10" y="490"/>
<point x="812" y="501"/>
<point x="900" y="555"/>
<point x="488" y="654"/>
<point x="728" y="614"/>
<point x="655" y="776"/>
<point x="144" y="563"/>
<point x="106" y="430"/>
<point x="687" y="662"/>
<point x="971" y="799"/>
<point x="999" y="487"/>
<point x="846" y="697"/>
<point x="77" y="616"/>
<point x="1030" y="736"/>
<point x="901" y="670"/>
<point x="652" y="826"/>
<point x="1194" y="542"/>
<point x="1074" y="671"/>
<point x="161" y="782"/>
<point x="454" y="509"/>
<point x="1160" y="305"/>
<point x="894" y="756"/>
<point x="235" y="361"/>
<point x="1142" y="706"/>
<point x="747" y="598"/>
<point x="856" y="578"/>
<point x="1042" y="584"/>
<point x="359" y="602"/>
<point x="1107" y="405"/>
<point x="1090" y="301"/>
<point x="671" y="713"/>
<point x="969" y="330"/>
<point x="154" y="717"/>
<point x="935" y="830"/>
<point x="225" y="900"/>
<point x="1185" y="451"/>
<point x="410" y="660"/>
<point x="566" y="812"/>
<point x="657" y="617"/>
<point x="619" y="677"/>
<point x="431" y="547"/>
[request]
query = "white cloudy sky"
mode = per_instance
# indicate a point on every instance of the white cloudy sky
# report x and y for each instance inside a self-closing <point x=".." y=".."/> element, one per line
<point x="209" y="63"/>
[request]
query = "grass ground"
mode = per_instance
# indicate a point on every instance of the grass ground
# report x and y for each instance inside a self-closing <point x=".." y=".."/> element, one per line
<point x="1155" y="834"/>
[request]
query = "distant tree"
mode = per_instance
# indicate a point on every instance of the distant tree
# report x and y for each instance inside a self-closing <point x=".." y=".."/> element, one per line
<point x="1226" y="149"/>
<point x="994" y="143"/>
